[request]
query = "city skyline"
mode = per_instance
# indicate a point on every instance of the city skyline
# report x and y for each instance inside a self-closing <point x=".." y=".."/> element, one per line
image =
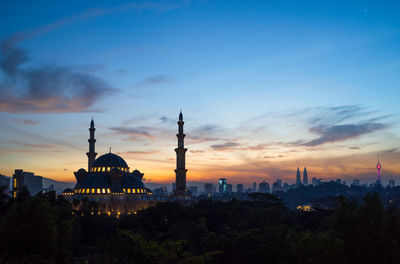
<point x="264" y="88"/>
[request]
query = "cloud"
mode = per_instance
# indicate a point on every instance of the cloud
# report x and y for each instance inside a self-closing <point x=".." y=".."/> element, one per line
<point x="46" y="88"/>
<point x="390" y="150"/>
<point x="16" y="142"/>
<point x="225" y="146"/>
<point x="153" y="80"/>
<point x="26" y="121"/>
<point x="330" y="134"/>
<point x="88" y="14"/>
<point x="134" y="133"/>
<point x="53" y="88"/>
<point x="133" y="152"/>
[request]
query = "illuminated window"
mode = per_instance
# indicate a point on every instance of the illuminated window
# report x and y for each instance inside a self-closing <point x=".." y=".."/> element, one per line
<point x="133" y="190"/>
<point x="108" y="168"/>
<point x="129" y="190"/>
<point x="108" y="190"/>
<point x="15" y="183"/>
<point x="123" y="189"/>
<point x="98" y="190"/>
<point x="93" y="191"/>
<point x="103" y="190"/>
<point x="103" y="169"/>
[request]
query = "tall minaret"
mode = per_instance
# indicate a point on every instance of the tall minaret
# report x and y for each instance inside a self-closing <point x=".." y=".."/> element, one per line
<point x="180" y="159"/>
<point x="298" y="179"/>
<point x="305" y="176"/>
<point x="91" y="154"/>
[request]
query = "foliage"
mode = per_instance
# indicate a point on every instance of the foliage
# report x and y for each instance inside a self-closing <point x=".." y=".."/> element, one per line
<point x="45" y="229"/>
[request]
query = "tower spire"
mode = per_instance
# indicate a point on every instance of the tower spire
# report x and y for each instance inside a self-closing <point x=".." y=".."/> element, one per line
<point x="91" y="154"/>
<point x="305" y="176"/>
<point x="298" y="177"/>
<point x="180" y="170"/>
<point x="378" y="167"/>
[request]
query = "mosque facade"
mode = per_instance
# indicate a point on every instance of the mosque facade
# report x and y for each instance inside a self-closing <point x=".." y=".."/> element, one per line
<point x="110" y="181"/>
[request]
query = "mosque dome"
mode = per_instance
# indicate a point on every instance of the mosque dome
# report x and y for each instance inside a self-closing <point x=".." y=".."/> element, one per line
<point x="110" y="160"/>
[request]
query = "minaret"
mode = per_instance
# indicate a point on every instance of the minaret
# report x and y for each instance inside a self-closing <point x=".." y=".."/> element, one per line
<point x="91" y="154"/>
<point x="180" y="159"/>
<point x="378" y="167"/>
<point x="298" y="179"/>
<point x="305" y="176"/>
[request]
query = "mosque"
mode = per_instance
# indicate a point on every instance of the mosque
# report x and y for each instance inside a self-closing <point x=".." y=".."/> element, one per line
<point x="111" y="181"/>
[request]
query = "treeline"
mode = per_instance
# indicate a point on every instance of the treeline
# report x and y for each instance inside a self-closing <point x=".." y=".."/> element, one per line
<point x="45" y="229"/>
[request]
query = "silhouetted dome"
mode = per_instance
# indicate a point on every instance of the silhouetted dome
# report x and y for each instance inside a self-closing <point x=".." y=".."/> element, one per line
<point x="110" y="160"/>
<point x="68" y="190"/>
<point x="81" y="170"/>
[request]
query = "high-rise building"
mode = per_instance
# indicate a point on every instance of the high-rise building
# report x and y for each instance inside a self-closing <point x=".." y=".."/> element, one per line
<point x="222" y="185"/>
<point x="254" y="187"/>
<point x="5" y="181"/>
<point x="229" y="188"/>
<point x="277" y="186"/>
<point x="356" y="182"/>
<point x="193" y="190"/>
<point x="208" y="188"/>
<point x="298" y="179"/>
<point x="391" y="183"/>
<point x="181" y="170"/>
<point x="305" y="177"/>
<point x="34" y="184"/>
<point x="264" y="187"/>
<point x="239" y="188"/>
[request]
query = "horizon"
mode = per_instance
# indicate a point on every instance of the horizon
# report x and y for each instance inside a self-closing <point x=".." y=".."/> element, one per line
<point x="264" y="88"/>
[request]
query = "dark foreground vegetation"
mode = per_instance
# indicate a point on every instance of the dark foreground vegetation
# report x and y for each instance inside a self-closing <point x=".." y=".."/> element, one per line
<point x="45" y="229"/>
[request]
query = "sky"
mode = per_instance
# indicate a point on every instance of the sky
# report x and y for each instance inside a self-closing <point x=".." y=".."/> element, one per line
<point x="264" y="87"/>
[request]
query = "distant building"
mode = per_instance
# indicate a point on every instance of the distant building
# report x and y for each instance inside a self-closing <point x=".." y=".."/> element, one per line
<point x="338" y="181"/>
<point x="239" y="188"/>
<point x="34" y="184"/>
<point x="208" y="188"/>
<point x="49" y="189"/>
<point x="222" y="185"/>
<point x="173" y="186"/>
<point x="193" y="190"/>
<point x="5" y="181"/>
<point x="316" y="181"/>
<point x="162" y="191"/>
<point x="356" y="182"/>
<point x="229" y="188"/>
<point x="254" y="187"/>
<point x="264" y="187"/>
<point x="305" y="177"/>
<point x="391" y="183"/>
<point x="277" y="186"/>
<point x="298" y="179"/>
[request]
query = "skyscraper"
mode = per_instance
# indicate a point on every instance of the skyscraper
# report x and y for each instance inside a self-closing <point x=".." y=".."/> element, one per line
<point x="239" y="188"/>
<point x="305" y="177"/>
<point x="264" y="187"/>
<point x="298" y="179"/>
<point x="180" y="160"/>
<point x="208" y="188"/>
<point x="254" y="187"/>
<point x="222" y="185"/>
<point x="34" y="184"/>
<point x="91" y="154"/>
<point x="229" y="188"/>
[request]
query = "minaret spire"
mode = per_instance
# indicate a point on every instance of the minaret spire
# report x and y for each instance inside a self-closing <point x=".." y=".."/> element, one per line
<point x="180" y="160"/>
<point x="91" y="154"/>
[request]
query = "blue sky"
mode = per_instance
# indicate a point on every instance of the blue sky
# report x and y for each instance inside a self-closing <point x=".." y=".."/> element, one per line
<point x="265" y="86"/>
